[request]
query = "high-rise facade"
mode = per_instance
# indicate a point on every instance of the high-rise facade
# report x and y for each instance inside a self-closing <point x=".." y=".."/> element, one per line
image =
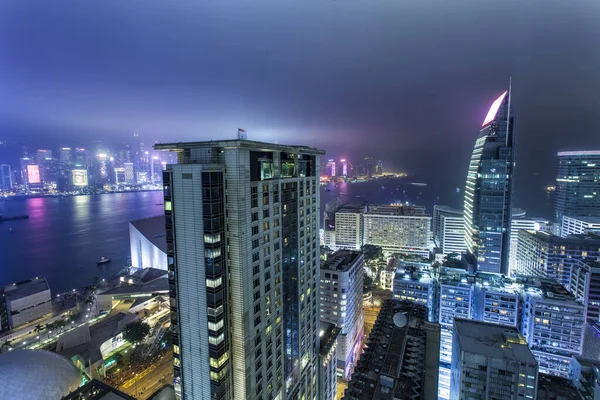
<point x="6" y="181"/>
<point x="491" y="361"/>
<point x="398" y="229"/>
<point x="449" y="230"/>
<point x="546" y="255"/>
<point x="242" y="223"/>
<point x="578" y="225"/>
<point x="577" y="184"/>
<point x="341" y="304"/>
<point x="518" y="223"/>
<point x="349" y="227"/>
<point x="585" y="286"/>
<point x="552" y="322"/>
<point x="489" y="188"/>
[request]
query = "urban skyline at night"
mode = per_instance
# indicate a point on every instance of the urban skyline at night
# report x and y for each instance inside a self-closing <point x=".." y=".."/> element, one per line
<point x="277" y="200"/>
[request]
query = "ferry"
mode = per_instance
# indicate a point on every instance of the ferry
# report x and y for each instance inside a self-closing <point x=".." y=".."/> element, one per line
<point x="418" y="184"/>
<point x="103" y="260"/>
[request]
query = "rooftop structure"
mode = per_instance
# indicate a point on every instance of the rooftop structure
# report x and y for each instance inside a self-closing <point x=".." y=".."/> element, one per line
<point x="401" y="356"/>
<point x="27" y="301"/>
<point x="37" y="374"/>
<point x="96" y="390"/>
<point x="491" y="361"/>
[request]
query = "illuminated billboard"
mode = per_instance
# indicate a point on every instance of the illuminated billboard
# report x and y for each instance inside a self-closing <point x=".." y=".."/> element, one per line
<point x="80" y="177"/>
<point x="33" y="174"/>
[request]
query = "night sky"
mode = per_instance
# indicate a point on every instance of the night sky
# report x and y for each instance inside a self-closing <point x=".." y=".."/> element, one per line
<point x="408" y="82"/>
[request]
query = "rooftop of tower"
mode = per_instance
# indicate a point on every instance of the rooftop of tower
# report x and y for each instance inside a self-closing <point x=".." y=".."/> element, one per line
<point x="492" y="340"/>
<point x="237" y="143"/>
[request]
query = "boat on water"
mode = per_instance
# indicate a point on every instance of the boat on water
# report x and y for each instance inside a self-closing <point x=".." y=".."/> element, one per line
<point x="418" y="184"/>
<point x="103" y="260"/>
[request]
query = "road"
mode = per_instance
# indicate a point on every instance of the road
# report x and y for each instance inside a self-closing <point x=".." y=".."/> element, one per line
<point x="370" y="314"/>
<point x="149" y="380"/>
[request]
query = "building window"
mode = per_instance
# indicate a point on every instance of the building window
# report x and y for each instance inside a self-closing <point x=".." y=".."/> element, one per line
<point x="213" y="283"/>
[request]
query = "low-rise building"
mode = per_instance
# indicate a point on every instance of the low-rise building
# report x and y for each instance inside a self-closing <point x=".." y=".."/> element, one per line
<point x="328" y="336"/>
<point x="491" y="361"/>
<point x="400" y="360"/>
<point x="341" y="303"/>
<point x="27" y="301"/>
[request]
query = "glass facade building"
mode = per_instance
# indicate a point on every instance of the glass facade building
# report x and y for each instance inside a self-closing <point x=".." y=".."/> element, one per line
<point x="489" y="189"/>
<point x="577" y="184"/>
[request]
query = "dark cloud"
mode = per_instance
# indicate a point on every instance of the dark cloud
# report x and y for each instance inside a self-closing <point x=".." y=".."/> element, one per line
<point x="408" y="82"/>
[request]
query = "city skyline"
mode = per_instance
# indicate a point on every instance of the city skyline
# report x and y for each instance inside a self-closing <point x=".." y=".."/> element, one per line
<point x="275" y="200"/>
<point x="162" y="88"/>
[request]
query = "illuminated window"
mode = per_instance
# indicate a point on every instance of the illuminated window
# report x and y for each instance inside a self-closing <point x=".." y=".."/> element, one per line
<point x="217" y="362"/>
<point x="215" y="326"/>
<point x="168" y="206"/>
<point x="213" y="283"/>
<point x="216" y="340"/>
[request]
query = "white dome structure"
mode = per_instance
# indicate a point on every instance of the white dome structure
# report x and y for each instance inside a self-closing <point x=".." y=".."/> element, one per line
<point x="36" y="374"/>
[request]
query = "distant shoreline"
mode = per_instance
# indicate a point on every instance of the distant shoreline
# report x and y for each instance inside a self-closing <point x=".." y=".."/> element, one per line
<point x="35" y="196"/>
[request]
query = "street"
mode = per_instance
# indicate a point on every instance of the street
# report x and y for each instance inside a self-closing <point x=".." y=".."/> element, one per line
<point x="149" y="380"/>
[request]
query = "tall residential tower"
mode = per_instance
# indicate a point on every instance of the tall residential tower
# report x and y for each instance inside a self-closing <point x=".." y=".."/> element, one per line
<point x="577" y="184"/>
<point x="489" y="188"/>
<point x="242" y="223"/>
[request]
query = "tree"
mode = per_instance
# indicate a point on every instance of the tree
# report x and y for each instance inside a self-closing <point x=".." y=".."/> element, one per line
<point x="372" y="252"/>
<point x="367" y="281"/>
<point x="452" y="260"/>
<point x="39" y="328"/>
<point x="325" y="251"/>
<point x="136" y="331"/>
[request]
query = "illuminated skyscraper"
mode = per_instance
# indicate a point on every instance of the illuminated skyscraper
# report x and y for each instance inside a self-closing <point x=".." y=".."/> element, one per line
<point x="578" y="184"/>
<point x="6" y="182"/>
<point x="489" y="189"/>
<point x="66" y="155"/>
<point x="242" y="223"/>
